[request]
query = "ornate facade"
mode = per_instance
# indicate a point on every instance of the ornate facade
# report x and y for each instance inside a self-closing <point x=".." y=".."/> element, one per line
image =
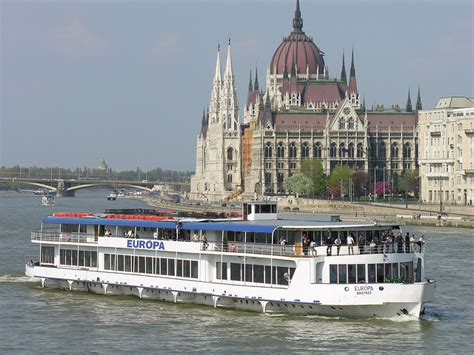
<point x="301" y="113"/>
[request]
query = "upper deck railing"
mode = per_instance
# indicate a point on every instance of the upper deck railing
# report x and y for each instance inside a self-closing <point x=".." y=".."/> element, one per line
<point x="50" y="236"/>
<point x="249" y="248"/>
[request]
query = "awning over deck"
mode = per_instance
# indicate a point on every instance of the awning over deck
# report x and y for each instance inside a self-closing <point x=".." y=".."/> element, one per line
<point x="110" y="222"/>
<point x="231" y="227"/>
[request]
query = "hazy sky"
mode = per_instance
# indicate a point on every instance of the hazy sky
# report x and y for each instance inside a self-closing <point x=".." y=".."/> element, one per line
<point x="128" y="80"/>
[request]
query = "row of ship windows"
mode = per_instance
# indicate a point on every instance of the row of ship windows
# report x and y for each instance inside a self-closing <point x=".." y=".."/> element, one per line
<point x="69" y="257"/>
<point x="276" y="275"/>
<point x="152" y="265"/>
<point x="376" y="273"/>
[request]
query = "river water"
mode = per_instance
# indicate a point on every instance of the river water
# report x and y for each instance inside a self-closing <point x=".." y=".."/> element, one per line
<point x="33" y="319"/>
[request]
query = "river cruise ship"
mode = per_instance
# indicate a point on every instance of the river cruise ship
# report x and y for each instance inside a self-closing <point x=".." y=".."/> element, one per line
<point x="261" y="260"/>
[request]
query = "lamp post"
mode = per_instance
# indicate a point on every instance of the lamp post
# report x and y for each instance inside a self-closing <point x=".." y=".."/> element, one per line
<point x="375" y="182"/>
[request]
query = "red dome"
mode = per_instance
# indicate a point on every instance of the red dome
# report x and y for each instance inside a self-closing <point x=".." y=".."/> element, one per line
<point x="299" y="49"/>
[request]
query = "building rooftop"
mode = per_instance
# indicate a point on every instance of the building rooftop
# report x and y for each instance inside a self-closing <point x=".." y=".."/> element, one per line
<point x="455" y="102"/>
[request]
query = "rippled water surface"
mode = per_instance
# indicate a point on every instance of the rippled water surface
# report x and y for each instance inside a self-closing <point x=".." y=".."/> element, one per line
<point x="42" y="320"/>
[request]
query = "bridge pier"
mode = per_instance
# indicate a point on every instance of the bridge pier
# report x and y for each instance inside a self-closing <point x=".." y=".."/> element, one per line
<point x="62" y="190"/>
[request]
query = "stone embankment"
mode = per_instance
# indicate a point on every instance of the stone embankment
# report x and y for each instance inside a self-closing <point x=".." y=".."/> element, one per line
<point x="415" y="214"/>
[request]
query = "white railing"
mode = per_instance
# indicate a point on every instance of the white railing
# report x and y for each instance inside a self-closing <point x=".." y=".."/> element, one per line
<point x="298" y="250"/>
<point x="49" y="236"/>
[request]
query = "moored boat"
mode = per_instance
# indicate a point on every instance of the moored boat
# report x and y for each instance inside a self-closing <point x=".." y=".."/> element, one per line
<point x="261" y="261"/>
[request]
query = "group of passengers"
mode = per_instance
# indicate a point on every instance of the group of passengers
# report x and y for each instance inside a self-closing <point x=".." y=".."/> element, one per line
<point x="130" y="234"/>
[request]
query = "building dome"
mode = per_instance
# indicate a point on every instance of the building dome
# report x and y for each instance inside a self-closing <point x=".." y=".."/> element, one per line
<point x="299" y="49"/>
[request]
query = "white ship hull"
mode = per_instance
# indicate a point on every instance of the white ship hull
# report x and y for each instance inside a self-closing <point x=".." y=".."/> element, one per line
<point x="377" y="300"/>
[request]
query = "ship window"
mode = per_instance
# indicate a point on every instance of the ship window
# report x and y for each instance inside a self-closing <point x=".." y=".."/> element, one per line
<point x="258" y="273"/>
<point x="171" y="267"/>
<point x="406" y="272"/>
<point x="47" y="255"/>
<point x="361" y="273"/>
<point x="268" y="272"/>
<point x="93" y="259"/>
<point x="283" y="275"/>
<point x="235" y="272"/>
<point x="333" y="274"/>
<point x="274" y="208"/>
<point x="87" y="258"/>
<point x="371" y="269"/>
<point x="106" y="261"/>
<point x="380" y="276"/>
<point x="128" y="263"/>
<point x="342" y="274"/>
<point x="179" y="268"/>
<point x="112" y="261"/>
<point x="194" y="269"/>
<point x="148" y="266"/>
<point x="186" y="268"/>
<point x="395" y="270"/>
<point x="351" y="273"/>
<point x="221" y="271"/>
<point x="266" y="209"/>
<point x="120" y="264"/>
<point x="164" y="266"/>
<point x="248" y="273"/>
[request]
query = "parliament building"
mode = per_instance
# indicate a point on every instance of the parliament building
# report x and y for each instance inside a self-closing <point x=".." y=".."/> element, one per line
<point x="300" y="113"/>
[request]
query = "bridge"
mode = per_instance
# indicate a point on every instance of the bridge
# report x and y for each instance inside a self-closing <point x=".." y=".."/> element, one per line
<point x="68" y="187"/>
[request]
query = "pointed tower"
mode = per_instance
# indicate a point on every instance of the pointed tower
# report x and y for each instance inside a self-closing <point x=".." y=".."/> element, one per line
<point x="343" y="70"/>
<point x="228" y="103"/>
<point x="352" y="78"/>
<point x="214" y="104"/>
<point x="409" y="107"/>
<point x="297" y="20"/>
<point x="419" y="106"/>
<point x="255" y="86"/>
<point x="250" y="82"/>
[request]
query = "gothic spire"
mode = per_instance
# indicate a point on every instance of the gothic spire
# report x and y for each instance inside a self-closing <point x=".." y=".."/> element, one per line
<point x="343" y="71"/>
<point x="250" y="82"/>
<point x="297" y="20"/>
<point x="217" y="75"/>
<point x="409" y="107"/>
<point x="228" y="65"/>
<point x="418" y="101"/>
<point x="352" y="79"/>
<point x="353" y="71"/>
<point x="255" y="86"/>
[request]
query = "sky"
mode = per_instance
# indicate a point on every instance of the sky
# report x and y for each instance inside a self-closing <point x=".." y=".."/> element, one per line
<point x="128" y="80"/>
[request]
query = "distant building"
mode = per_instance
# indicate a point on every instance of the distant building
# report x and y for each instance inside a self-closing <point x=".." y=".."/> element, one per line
<point x="301" y="113"/>
<point x="103" y="166"/>
<point x="446" y="150"/>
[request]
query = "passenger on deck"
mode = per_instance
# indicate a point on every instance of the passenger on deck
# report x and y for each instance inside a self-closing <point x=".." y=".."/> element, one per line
<point x="329" y="247"/>
<point x="283" y="243"/>
<point x="312" y="247"/>
<point x="350" y="244"/>
<point x="407" y="243"/>
<point x="421" y="242"/>
<point x="338" y="243"/>
<point x="412" y="244"/>
<point x="400" y="243"/>
<point x="305" y="242"/>
<point x="155" y="235"/>
<point x="195" y="237"/>
<point x="362" y="242"/>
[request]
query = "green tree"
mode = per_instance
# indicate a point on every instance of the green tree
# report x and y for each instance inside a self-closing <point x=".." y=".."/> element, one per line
<point x="313" y="169"/>
<point x="340" y="177"/>
<point x="299" y="184"/>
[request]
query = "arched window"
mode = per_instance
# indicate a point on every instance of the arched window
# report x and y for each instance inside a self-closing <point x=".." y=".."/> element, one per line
<point x="230" y="153"/>
<point x="317" y="150"/>
<point x="268" y="150"/>
<point x="350" y="150"/>
<point x="407" y="151"/>
<point x="394" y="152"/>
<point x="342" y="150"/>
<point x="280" y="150"/>
<point x="360" y="150"/>
<point x="305" y="151"/>
<point x="292" y="150"/>
<point x="350" y="123"/>
<point x="332" y="150"/>
<point x="342" y="123"/>
<point x="229" y="178"/>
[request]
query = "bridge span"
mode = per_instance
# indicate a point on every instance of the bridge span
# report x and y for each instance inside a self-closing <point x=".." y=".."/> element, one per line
<point x="68" y="187"/>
